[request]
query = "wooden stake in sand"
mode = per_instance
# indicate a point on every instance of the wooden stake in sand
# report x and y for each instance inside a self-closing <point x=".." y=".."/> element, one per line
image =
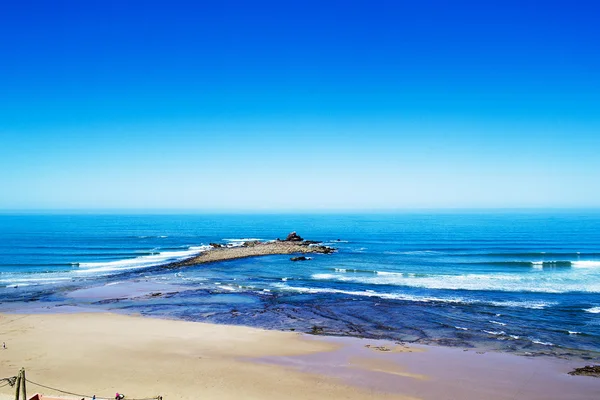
<point x="24" y="382"/>
<point x="18" y="386"/>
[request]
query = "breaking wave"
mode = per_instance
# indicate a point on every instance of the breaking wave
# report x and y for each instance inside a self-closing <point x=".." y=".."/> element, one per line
<point x="505" y="282"/>
<point x="139" y="262"/>
<point x="415" y="298"/>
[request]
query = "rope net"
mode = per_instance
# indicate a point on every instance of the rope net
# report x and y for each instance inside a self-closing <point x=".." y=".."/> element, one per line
<point x="85" y="395"/>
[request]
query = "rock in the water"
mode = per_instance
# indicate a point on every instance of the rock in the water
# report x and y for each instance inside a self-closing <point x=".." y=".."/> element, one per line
<point x="309" y="242"/>
<point x="294" y="237"/>
<point x="300" y="258"/>
<point x="251" y="243"/>
<point x="316" y="330"/>
<point x="216" y="245"/>
<point x="325" y="249"/>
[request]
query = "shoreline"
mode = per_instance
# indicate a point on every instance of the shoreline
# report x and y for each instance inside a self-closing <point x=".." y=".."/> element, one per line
<point x="144" y="357"/>
<point x="579" y="357"/>
<point x="118" y="297"/>
<point x="287" y="299"/>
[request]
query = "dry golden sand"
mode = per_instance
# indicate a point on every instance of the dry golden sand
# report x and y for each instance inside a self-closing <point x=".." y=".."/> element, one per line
<point x="143" y="357"/>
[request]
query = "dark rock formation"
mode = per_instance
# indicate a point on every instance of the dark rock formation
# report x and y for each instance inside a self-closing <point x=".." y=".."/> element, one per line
<point x="300" y="258"/>
<point x="307" y="242"/>
<point x="325" y="249"/>
<point x="251" y="243"/>
<point x="590" y="370"/>
<point x="294" y="237"/>
<point x="216" y="245"/>
<point x="316" y="330"/>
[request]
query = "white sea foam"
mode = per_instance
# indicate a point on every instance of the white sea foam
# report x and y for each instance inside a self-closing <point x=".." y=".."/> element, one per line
<point x="240" y="242"/>
<point x="538" y="341"/>
<point x="139" y="262"/>
<point x="515" y="337"/>
<point x="413" y="253"/>
<point x="13" y="281"/>
<point x="461" y="328"/>
<point x="585" y="264"/>
<point x="148" y="237"/>
<point x="508" y="282"/>
<point x="415" y="298"/>
<point x="36" y="278"/>
<point x="188" y="279"/>
<point x="535" y="305"/>
<point x="325" y="276"/>
<point x="498" y="323"/>
<point x="495" y="333"/>
<point x="574" y="333"/>
<point x="593" y="310"/>
<point x="539" y="265"/>
<point x="408" y="297"/>
<point x="390" y="296"/>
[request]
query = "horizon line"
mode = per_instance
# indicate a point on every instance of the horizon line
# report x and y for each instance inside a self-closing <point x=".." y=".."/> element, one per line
<point x="200" y="211"/>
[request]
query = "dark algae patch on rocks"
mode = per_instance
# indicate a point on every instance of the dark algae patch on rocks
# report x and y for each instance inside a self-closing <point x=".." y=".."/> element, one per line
<point x="589" y="370"/>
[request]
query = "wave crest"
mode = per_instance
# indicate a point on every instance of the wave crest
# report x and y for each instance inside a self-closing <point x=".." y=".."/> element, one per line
<point x="504" y="282"/>
<point x="140" y="262"/>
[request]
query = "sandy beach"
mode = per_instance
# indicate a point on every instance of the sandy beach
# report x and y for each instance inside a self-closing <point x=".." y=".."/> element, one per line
<point x="101" y="354"/>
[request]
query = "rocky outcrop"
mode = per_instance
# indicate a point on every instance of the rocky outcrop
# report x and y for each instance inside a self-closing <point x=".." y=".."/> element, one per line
<point x="293" y="245"/>
<point x="294" y="237"/>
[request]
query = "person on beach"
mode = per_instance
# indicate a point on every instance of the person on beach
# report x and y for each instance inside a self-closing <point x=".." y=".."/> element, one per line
<point x="119" y="396"/>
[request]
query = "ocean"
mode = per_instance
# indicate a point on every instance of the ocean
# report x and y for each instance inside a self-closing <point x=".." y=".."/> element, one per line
<point x="522" y="282"/>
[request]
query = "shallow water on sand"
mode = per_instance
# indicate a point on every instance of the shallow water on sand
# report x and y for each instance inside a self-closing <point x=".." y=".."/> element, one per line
<point x="522" y="282"/>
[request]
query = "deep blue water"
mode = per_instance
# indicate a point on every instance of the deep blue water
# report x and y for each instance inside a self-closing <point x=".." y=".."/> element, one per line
<point x="524" y="282"/>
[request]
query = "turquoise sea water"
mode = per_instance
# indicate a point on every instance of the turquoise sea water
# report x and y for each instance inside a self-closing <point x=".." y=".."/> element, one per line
<point x="523" y="282"/>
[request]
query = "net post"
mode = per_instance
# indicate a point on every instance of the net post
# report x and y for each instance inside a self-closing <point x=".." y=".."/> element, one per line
<point x="18" y="386"/>
<point x="24" y="381"/>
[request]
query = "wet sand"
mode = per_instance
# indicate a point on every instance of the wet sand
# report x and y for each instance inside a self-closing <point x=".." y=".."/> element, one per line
<point x="143" y="357"/>
<point x="431" y="372"/>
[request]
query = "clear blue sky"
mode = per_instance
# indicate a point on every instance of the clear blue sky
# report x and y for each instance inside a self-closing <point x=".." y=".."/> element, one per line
<point x="299" y="105"/>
